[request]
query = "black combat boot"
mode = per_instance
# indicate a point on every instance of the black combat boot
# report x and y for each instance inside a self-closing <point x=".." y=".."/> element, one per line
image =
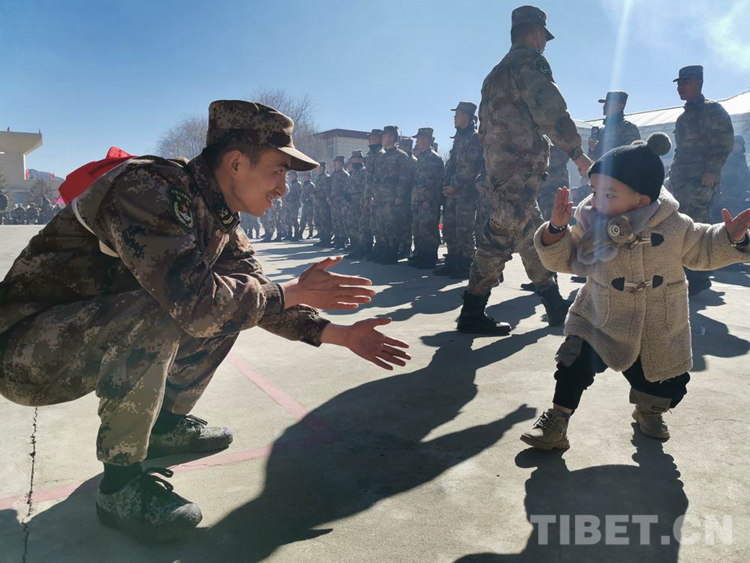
<point x="390" y="256"/>
<point x="474" y="320"/>
<point x="355" y="253"/>
<point x="448" y="266"/>
<point x="427" y="261"/>
<point x="414" y="259"/>
<point x="462" y="269"/>
<point x="555" y="305"/>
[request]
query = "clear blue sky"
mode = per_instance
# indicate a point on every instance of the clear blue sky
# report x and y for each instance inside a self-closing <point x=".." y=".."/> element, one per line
<point x="91" y="74"/>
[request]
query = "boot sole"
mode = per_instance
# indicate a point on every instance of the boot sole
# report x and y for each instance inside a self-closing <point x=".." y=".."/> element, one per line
<point x="545" y="445"/>
<point x="653" y="435"/>
<point x="144" y="533"/>
<point x="201" y="447"/>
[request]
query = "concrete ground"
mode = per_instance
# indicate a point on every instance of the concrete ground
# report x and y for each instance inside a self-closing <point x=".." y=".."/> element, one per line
<point x="335" y="460"/>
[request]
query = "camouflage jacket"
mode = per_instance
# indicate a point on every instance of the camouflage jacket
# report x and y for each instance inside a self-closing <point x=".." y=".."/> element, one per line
<point x="294" y="195"/>
<point x="704" y="137"/>
<point x="308" y="193"/>
<point x="521" y="107"/>
<point x="428" y="184"/>
<point x="357" y="183"/>
<point x="322" y="187"/>
<point x="616" y="132"/>
<point x="171" y="233"/>
<point x="371" y="162"/>
<point x="394" y="176"/>
<point x="465" y="162"/>
<point x="339" y="184"/>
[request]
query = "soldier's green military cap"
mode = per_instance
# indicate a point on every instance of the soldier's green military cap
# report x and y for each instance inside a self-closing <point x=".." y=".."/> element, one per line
<point x="356" y="154"/>
<point x="466" y="107"/>
<point x="322" y="163"/>
<point x="391" y="129"/>
<point x="617" y="96"/>
<point x="340" y="159"/>
<point x="530" y="14"/>
<point x="238" y="121"/>
<point x="406" y="142"/>
<point x="425" y="132"/>
<point x="376" y="133"/>
<point x="693" y="71"/>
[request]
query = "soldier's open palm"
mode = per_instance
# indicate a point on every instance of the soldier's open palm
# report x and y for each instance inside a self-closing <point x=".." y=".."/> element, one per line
<point x="374" y="346"/>
<point x="319" y="288"/>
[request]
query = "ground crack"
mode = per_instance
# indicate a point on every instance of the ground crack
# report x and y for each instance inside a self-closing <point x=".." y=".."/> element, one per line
<point x="30" y="494"/>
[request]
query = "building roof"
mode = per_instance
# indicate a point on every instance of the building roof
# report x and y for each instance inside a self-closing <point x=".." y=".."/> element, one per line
<point x="351" y="133"/>
<point x="735" y="105"/>
<point x="17" y="142"/>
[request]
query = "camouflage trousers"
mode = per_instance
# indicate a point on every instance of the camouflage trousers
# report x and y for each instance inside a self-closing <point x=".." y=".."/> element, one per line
<point x="405" y="232"/>
<point x="353" y="215"/>
<point x="514" y="219"/>
<point x="308" y="213"/>
<point x="323" y="219"/>
<point x="459" y="218"/>
<point x="389" y="218"/>
<point x="124" y="347"/>
<point x="338" y="218"/>
<point x="425" y="225"/>
<point x="695" y="199"/>
<point x="269" y="221"/>
<point x="365" y="223"/>
<point x="291" y="219"/>
<point x="484" y="208"/>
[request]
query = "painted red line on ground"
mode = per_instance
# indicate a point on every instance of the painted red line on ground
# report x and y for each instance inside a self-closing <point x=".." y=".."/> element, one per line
<point x="322" y="434"/>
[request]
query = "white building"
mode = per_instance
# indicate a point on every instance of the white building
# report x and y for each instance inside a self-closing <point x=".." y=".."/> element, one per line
<point x="342" y="142"/>
<point x="14" y="147"/>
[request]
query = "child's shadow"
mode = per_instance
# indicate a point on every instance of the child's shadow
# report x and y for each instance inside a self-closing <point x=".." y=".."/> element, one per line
<point x="652" y="489"/>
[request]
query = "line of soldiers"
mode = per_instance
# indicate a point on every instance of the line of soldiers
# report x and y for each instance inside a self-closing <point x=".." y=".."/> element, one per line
<point x="31" y="214"/>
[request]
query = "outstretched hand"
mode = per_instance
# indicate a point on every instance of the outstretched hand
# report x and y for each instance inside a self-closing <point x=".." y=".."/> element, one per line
<point x="737" y="227"/>
<point x="562" y="209"/>
<point x="368" y="343"/>
<point x="319" y="288"/>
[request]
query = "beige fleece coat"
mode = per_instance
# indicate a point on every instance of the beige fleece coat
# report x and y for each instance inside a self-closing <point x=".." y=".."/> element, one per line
<point x="653" y="322"/>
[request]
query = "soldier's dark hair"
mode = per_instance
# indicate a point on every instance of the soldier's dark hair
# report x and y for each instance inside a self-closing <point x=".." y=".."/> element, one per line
<point x="522" y="31"/>
<point x="214" y="153"/>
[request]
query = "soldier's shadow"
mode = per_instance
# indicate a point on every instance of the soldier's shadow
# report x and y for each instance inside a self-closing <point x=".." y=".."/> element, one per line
<point x="711" y="337"/>
<point x="736" y="274"/>
<point x="652" y="489"/>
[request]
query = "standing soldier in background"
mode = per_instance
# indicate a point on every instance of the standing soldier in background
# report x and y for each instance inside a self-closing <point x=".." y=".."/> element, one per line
<point x="322" y="209"/>
<point x="18" y="215"/>
<point x="616" y="131"/>
<point x="269" y="220"/>
<point x="406" y="144"/>
<point x="521" y="107"/>
<point x="281" y="227"/>
<point x="308" y="205"/>
<point x="4" y="203"/>
<point x="704" y="138"/>
<point x="425" y="201"/>
<point x="292" y="203"/>
<point x="461" y="196"/>
<point x="339" y="187"/>
<point x="557" y="177"/>
<point x="353" y="198"/>
<point x="393" y="179"/>
<point x="367" y="221"/>
<point x="735" y="179"/>
<point x="250" y="225"/>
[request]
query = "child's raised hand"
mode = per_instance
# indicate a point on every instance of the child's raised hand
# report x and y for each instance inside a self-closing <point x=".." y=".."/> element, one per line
<point x="737" y="227"/>
<point x="562" y="210"/>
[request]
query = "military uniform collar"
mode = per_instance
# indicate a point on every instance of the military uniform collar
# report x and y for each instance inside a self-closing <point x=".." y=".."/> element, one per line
<point x="206" y="181"/>
<point x="614" y="119"/>
<point x="700" y="100"/>
<point x="393" y="149"/>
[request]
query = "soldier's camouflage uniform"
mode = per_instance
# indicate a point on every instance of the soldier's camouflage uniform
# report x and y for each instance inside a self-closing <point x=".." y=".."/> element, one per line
<point x="278" y="207"/>
<point x="704" y="137"/>
<point x="269" y="221"/>
<point x="148" y="325"/>
<point x="368" y="217"/>
<point x="323" y="220"/>
<point x="428" y="187"/>
<point x="339" y="188"/>
<point x="353" y="198"/>
<point x="521" y="107"/>
<point x="394" y="175"/>
<point x="308" y="207"/>
<point x="557" y="177"/>
<point x="249" y="223"/>
<point x="616" y="132"/>
<point x="292" y="202"/>
<point x="406" y="234"/>
<point x="464" y="164"/>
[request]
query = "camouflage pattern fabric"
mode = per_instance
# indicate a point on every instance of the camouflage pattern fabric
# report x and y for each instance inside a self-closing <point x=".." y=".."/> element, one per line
<point x="704" y="138"/>
<point x="557" y="177"/>
<point x="292" y="203"/>
<point x="393" y="180"/>
<point x="616" y="132"/>
<point x="428" y="185"/>
<point x="308" y="207"/>
<point x="337" y="201"/>
<point x="367" y="221"/>
<point x="353" y="203"/>
<point x="148" y="326"/>
<point x="249" y="223"/>
<point x="269" y="221"/>
<point x="322" y="210"/>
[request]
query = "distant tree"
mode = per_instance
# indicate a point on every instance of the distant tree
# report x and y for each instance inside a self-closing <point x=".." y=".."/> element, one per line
<point x="188" y="137"/>
<point x="39" y="189"/>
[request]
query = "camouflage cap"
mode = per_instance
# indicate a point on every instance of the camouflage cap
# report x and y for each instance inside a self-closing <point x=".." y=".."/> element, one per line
<point x="391" y="129"/>
<point x="617" y="96"/>
<point x="530" y="14"/>
<point x="376" y="133"/>
<point x="357" y="154"/>
<point x="693" y="71"/>
<point x="255" y="124"/>
<point x="322" y="163"/>
<point x="425" y="132"/>
<point x="306" y="173"/>
<point x="466" y="107"/>
<point x="341" y="159"/>
<point x="406" y="142"/>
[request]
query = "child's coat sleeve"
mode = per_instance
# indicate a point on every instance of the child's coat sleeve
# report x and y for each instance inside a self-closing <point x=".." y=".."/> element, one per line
<point x="559" y="256"/>
<point x="707" y="247"/>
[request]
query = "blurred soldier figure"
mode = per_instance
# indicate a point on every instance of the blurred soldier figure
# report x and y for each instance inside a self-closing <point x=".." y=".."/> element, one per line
<point x="367" y="220"/>
<point x="461" y="195"/>
<point x="268" y="221"/>
<point x="521" y="108"/>
<point x="339" y="187"/>
<point x="406" y="144"/>
<point x="32" y="214"/>
<point x="47" y="211"/>
<point x="292" y="203"/>
<point x="322" y="209"/>
<point x="249" y="224"/>
<point x="278" y="207"/>
<point x="735" y="179"/>
<point x="425" y="201"/>
<point x="616" y="132"/>
<point x="308" y="205"/>
<point x="704" y="138"/>
<point x="353" y="201"/>
<point x="18" y="215"/>
<point x="557" y="177"/>
<point x="393" y="179"/>
<point x="4" y="203"/>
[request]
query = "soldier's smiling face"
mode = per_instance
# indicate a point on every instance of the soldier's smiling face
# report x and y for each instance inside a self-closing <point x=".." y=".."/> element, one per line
<point x="252" y="187"/>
